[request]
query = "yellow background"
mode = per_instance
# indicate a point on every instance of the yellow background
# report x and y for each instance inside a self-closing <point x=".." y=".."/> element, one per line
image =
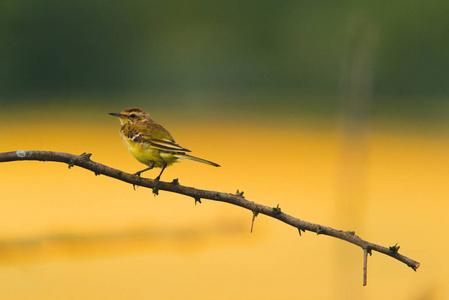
<point x="68" y="234"/>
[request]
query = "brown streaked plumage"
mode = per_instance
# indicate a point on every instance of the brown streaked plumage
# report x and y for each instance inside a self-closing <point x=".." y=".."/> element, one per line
<point x="149" y="142"/>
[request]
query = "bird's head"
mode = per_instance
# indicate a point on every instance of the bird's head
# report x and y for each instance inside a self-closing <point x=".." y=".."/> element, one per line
<point x="131" y="115"/>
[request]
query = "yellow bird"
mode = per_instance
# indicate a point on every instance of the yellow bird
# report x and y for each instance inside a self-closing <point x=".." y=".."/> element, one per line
<point x="149" y="142"/>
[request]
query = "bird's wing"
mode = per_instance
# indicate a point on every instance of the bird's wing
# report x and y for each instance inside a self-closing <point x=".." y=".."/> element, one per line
<point x="158" y="137"/>
<point x="167" y="145"/>
<point x="164" y="145"/>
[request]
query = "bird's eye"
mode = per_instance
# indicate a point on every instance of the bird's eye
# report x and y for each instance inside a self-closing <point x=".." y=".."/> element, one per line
<point x="132" y="116"/>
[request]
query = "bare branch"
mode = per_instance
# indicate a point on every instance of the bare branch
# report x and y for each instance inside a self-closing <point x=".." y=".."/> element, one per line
<point x="85" y="162"/>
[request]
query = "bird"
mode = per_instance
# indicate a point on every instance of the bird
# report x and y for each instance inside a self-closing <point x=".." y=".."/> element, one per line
<point x="150" y="143"/>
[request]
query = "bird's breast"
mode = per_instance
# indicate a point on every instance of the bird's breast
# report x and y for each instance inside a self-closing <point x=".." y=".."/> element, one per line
<point x="146" y="154"/>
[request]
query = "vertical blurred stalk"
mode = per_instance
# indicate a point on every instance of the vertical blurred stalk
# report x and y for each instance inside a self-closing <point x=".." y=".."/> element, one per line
<point x="356" y="89"/>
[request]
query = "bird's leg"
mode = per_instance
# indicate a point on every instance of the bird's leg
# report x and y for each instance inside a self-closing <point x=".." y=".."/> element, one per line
<point x="156" y="188"/>
<point x="159" y="177"/>
<point x="144" y="170"/>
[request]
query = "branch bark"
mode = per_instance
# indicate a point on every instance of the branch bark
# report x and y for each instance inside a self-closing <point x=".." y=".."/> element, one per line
<point x="85" y="162"/>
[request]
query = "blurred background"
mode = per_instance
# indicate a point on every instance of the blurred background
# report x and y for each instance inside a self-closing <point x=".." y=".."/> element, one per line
<point x="335" y="110"/>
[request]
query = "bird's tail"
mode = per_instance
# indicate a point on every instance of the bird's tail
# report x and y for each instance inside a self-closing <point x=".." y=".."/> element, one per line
<point x="190" y="157"/>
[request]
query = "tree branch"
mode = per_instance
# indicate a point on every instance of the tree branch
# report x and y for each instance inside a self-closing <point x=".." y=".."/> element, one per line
<point x="85" y="162"/>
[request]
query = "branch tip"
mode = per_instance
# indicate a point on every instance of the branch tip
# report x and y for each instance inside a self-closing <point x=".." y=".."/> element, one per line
<point x="255" y="213"/>
<point x="239" y="194"/>
<point x="394" y="249"/>
<point x="365" y="265"/>
<point x="86" y="156"/>
<point x="277" y="210"/>
<point x="414" y="266"/>
<point x="71" y="163"/>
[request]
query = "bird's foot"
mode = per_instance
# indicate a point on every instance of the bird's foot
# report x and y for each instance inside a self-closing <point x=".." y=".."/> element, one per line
<point x="137" y="174"/>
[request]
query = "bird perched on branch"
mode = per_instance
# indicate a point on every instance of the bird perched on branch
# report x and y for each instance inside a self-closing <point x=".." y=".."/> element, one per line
<point x="149" y="142"/>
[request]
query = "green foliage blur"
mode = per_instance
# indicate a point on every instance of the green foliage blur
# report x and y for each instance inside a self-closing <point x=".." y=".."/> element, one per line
<point x="97" y="47"/>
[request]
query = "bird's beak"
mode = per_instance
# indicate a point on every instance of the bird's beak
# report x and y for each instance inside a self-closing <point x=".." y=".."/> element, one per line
<point x="117" y="115"/>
